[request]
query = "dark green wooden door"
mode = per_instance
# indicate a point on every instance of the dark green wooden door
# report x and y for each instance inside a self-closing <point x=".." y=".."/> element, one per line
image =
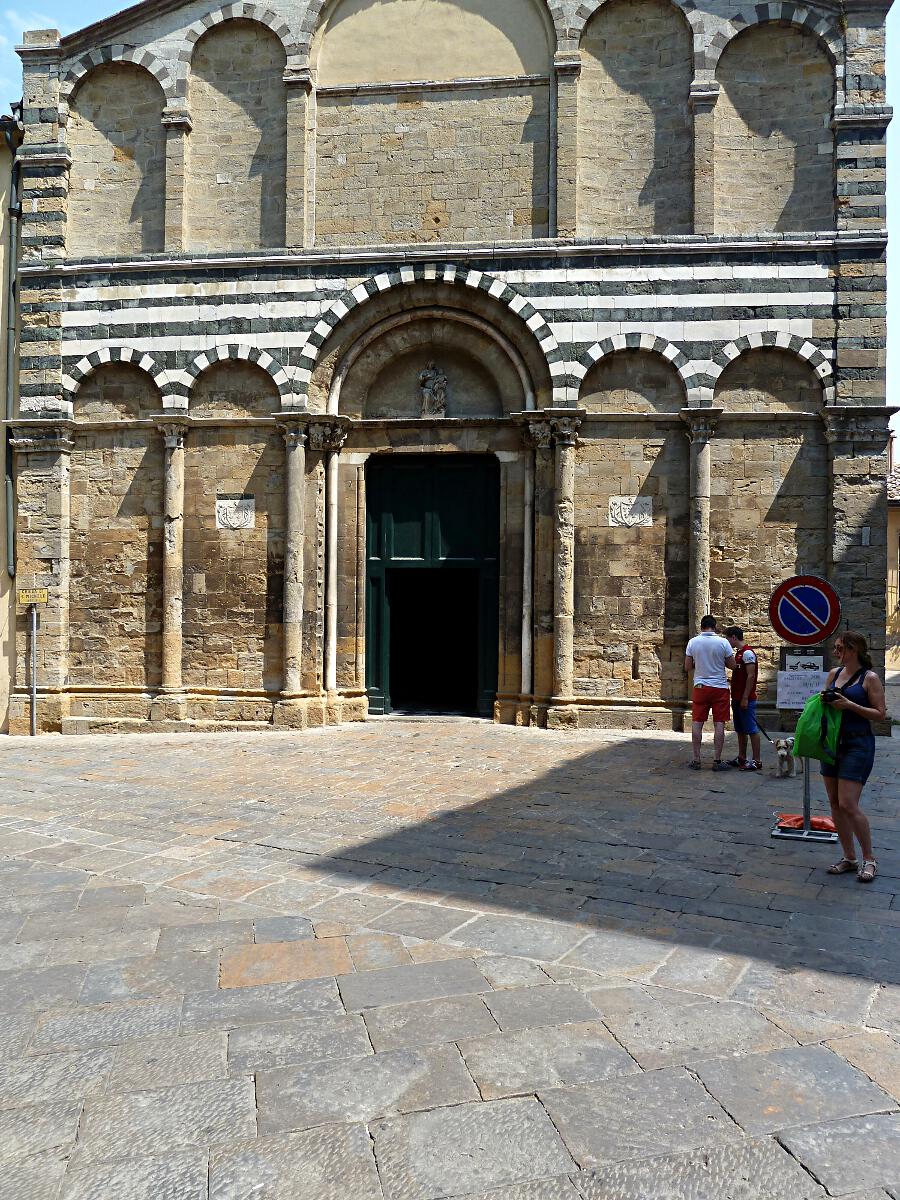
<point x="437" y="515"/>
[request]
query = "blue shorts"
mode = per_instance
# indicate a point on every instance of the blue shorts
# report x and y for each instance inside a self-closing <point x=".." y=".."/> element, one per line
<point x="744" y="718"/>
<point x="855" y="760"/>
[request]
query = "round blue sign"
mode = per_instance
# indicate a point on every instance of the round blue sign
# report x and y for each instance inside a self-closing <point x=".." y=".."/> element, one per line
<point x="805" y="610"/>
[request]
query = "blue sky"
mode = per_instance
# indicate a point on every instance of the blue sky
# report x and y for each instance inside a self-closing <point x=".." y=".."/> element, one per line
<point x="67" y="15"/>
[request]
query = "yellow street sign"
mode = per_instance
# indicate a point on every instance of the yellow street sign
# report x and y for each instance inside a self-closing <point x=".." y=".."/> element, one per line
<point x="33" y="596"/>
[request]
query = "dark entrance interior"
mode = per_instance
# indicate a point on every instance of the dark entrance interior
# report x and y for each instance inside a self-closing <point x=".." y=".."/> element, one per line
<point x="434" y="640"/>
<point x="432" y="611"/>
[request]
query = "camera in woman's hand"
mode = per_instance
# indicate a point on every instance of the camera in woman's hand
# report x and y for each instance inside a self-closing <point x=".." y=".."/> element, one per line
<point x="830" y="695"/>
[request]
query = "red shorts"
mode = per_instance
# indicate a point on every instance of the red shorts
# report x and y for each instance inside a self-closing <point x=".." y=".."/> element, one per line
<point x="704" y="698"/>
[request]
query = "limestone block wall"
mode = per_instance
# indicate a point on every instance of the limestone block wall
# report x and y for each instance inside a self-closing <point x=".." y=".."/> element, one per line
<point x="115" y="595"/>
<point x="455" y="164"/>
<point x="635" y="157"/>
<point x="237" y="149"/>
<point x="774" y="150"/>
<point x="117" y="184"/>
<point x="234" y="578"/>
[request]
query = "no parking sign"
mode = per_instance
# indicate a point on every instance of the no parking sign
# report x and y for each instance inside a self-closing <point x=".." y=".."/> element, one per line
<point x="805" y="610"/>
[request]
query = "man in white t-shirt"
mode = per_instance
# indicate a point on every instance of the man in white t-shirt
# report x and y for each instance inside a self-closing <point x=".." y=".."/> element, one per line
<point x="708" y="655"/>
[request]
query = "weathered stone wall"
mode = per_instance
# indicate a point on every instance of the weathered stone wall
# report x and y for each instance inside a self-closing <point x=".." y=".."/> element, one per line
<point x="115" y="594"/>
<point x="774" y="147"/>
<point x="116" y="392"/>
<point x="234" y="389"/>
<point x="462" y="164"/>
<point x="236" y="153"/>
<point x="117" y="184"/>
<point x="769" y="381"/>
<point x="635" y="165"/>
<point x="234" y="579"/>
<point x="634" y="382"/>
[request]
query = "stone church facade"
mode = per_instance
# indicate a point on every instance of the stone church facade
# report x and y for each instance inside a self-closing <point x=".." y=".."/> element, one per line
<point x="442" y="354"/>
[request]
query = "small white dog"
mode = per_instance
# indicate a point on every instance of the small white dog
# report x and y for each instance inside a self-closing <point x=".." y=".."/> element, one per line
<point x="788" y="766"/>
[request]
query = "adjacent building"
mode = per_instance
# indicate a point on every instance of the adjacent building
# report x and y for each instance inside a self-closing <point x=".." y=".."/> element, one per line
<point x="443" y="355"/>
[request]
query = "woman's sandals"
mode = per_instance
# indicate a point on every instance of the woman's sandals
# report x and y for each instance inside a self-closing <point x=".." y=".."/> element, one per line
<point x="867" y="871"/>
<point x="843" y="865"/>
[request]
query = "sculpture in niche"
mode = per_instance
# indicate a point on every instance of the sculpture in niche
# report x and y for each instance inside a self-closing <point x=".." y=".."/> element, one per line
<point x="433" y="383"/>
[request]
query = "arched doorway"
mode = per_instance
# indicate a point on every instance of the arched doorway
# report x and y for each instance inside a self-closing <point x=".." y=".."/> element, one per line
<point x="432" y="551"/>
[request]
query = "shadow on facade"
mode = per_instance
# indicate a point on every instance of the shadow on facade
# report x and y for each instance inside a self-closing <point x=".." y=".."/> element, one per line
<point x="626" y="839"/>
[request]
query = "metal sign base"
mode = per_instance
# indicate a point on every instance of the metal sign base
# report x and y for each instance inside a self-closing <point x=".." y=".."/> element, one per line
<point x="807" y="833"/>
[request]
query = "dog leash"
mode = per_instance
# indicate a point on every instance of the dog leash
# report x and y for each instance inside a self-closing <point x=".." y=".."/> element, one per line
<point x="763" y="732"/>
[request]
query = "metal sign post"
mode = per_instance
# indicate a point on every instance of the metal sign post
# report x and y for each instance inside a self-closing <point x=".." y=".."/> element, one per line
<point x="32" y="597"/>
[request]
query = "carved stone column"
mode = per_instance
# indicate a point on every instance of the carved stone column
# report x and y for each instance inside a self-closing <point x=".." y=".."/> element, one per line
<point x="703" y="97"/>
<point x="701" y="423"/>
<point x="43" y="502"/>
<point x="567" y="67"/>
<point x="565" y="436"/>
<point x="327" y="436"/>
<point x="539" y="435"/>
<point x="177" y="124"/>
<point x="298" y="85"/>
<point x="174" y="433"/>
<point x="295" y="443"/>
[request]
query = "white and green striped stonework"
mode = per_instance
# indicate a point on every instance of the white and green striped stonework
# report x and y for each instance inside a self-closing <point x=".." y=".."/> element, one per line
<point x="643" y="242"/>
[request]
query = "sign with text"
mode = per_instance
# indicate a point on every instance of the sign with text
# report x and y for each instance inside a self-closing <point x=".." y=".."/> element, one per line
<point x="796" y="687"/>
<point x="33" y="596"/>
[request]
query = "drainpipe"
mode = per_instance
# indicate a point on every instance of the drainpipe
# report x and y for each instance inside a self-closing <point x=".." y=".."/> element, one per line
<point x="13" y="140"/>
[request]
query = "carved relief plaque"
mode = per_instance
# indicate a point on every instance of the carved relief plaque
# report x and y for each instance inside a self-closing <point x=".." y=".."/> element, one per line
<point x="630" y="510"/>
<point x="235" y="512"/>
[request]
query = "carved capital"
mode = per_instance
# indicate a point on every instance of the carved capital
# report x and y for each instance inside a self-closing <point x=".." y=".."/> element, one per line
<point x="327" y="435"/>
<point x="174" y="433"/>
<point x="43" y="437"/>
<point x="538" y="433"/>
<point x="565" y="429"/>
<point x="294" y="435"/>
<point x="701" y="423"/>
<point x="865" y="427"/>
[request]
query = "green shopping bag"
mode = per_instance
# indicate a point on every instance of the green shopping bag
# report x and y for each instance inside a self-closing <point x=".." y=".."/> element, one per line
<point x="818" y="730"/>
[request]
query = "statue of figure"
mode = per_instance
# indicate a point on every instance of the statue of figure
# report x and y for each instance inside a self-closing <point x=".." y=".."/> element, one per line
<point x="433" y="382"/>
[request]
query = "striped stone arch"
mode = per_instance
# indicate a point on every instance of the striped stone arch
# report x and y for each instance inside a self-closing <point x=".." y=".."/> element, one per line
<point x="783" y="14"/>
<point x="117" y="54"/>
<point x="231" y="12"/>
<point x="432" y="273"/>
<point x="585" y="11"/>
<point x="235" y="352"/>
<point x="777" y="341"/>
<point x="115" y="355"/>
<point x="313" y="16"/>
<point x="638" y="341"/>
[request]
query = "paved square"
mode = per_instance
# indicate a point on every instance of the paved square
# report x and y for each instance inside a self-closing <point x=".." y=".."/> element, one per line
<point x="436" y="960"/>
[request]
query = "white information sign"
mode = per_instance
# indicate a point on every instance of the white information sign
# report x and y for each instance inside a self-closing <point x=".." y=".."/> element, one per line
<point x="796" y="687"/>
<point x="803" y="662"/>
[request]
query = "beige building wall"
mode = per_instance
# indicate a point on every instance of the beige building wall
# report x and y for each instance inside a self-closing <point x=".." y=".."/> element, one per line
<point x="7" y="585"/>
<point x="893" y="584"/>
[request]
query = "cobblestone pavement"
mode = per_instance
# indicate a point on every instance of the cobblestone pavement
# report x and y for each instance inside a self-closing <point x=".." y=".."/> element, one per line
<point x="415" y="960"/>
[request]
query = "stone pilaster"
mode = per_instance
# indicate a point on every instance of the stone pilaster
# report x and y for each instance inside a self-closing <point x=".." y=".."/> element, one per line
<point x="703" y="97"/>
<point x="43" y="156"/>
<point x="170" y="704"/>
<point x="857" y="439"/>
<point x="327" y="436"/>
<point x="43" y="503"/>
<point x="298" y="85"/>
<point x="177" y="124"/>
<point x="701" y="423"/>
<point x="539" y="434"/>
<point x="295" y="443"/>
<point x="567" y="68"/>
<point x="565" y="436"/>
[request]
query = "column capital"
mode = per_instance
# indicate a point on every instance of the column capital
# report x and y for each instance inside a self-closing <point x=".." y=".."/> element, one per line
<point x="43" y="437"/>
<point x="327" y="433"/>
<point x="703" y="95"/>
<point x="294" y="433"/>
<point x="567" y="63"/>
<point x="701" y="423"/>
<point x="300" y="77"/>
<point x="565" y="428"/>
<point x="174" y="433"/>
<point x="865" y="426"/>
<point x="536" y="432"/>
<point x="177" y="119"/>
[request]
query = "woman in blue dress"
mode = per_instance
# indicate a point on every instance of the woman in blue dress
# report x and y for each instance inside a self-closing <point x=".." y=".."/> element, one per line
<point x="860" y="697"/>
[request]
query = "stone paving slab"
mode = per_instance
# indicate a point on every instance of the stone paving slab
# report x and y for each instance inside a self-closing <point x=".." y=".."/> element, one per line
<point x="288" y="1043"/>
<point x="361" y="1089"/>
<point x="637" y="1116"/>
<point x="320" y="1164"/>
<point x="544" y="1004"/>
<point x="106" y="1025"/>
<point x="752" y="1170"/>
<point x="396" y="985"/>
<point x="428" y="1022"/>
<point x="179" y="1176"/>
<point x="874" y="1053"/>
<point x="285" y="962"/>
<point x="36" y="1128"/>
<point x="169" y="1061"/>
<point x="157" y="975"/>
<point x="53" y="1078"/>
<point x="254" y="1005"/>
<point x="850" y="1154"/>
<point x="469" y="1148"/>
<point x="36" y="1178"/>
<point x="797" y="1086"/>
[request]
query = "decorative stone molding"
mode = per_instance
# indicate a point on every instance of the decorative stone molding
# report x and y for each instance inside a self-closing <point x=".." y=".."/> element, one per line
<point x="177" y="119"/>
<point x="238" y="352"/>
<point x="567" y="62"/>
<point x="434" y="273"/>
<point x="862" y="426"/>
<point x="862" y="116"/>
<point x="110" y="356"/>
<point x="777" y="341"/>
<point x="43" y="437"/>
<point x="327" y="435"/>
<point x="117" y="54"/>
<point x="703" y="95"/>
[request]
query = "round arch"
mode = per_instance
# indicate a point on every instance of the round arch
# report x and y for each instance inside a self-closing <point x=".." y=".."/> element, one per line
<point x="781" y="14"/>
<point x="789" y="342"/>
<point x="639" y="341"/>
<point x="238" y="352"/>
<point x="121" y="355"/>
<point x="527" y="317"/>
<point x="241" y="11"/>
<point x="117" y="54"/>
